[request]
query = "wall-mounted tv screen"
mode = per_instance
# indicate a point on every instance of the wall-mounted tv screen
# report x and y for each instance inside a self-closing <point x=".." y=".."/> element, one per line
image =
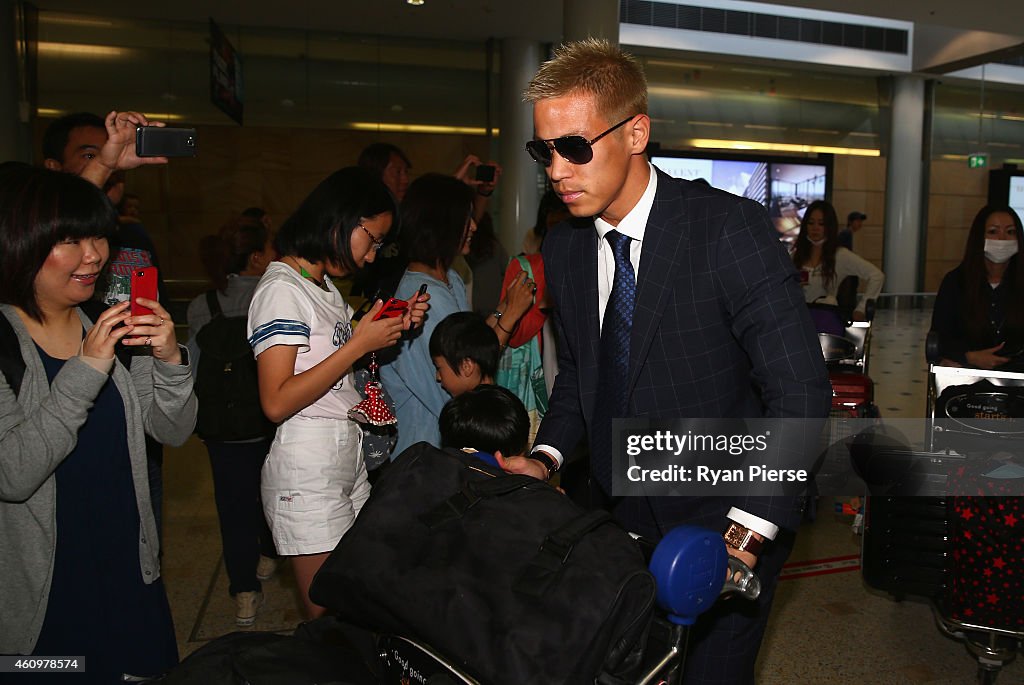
<point x="1006" y="187"/>
<point x="1017" y="194"/>
<point x="784" y="185"/>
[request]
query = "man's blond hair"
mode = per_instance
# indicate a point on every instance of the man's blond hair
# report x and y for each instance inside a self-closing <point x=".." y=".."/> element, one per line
<point x="595" y="67"/>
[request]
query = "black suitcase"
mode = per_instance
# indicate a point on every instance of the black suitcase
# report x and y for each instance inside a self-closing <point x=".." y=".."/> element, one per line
<point x="905" y="549"/>
<point x="321" y="652"/>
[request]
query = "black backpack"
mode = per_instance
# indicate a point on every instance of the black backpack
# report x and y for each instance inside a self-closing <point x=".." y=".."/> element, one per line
<point x="12" y="365"/>
<point x="226" y="383"/>
<point x="502" y="575"/>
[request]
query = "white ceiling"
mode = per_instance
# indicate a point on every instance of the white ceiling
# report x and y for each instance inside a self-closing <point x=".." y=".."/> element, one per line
<point x="348" y="69"/>
<point x="481" y="19"/>
<point x="981" y="15"/>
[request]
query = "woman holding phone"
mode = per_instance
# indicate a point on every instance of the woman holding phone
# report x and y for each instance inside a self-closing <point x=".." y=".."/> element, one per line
<point x="437" y="226"/>
<point x="300" y="328"/>
<point x="80" y="561"/>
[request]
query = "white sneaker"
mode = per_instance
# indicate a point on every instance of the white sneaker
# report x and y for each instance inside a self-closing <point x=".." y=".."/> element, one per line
<point x="266" y="569"/>
<point x="247" y="603"/>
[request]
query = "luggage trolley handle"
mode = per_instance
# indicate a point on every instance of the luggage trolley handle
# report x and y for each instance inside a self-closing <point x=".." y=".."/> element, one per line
<point x="742" y="580"/>
<point x="692" y="570"/>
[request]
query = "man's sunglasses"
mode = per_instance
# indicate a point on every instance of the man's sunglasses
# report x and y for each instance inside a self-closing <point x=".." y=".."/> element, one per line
<point x="574" y="149"/>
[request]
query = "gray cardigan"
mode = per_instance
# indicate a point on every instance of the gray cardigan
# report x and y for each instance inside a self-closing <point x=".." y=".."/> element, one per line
<point x="38" y="429"/>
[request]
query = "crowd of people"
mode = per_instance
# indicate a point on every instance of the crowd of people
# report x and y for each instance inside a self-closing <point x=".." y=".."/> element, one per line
<point x="675" y="300"/>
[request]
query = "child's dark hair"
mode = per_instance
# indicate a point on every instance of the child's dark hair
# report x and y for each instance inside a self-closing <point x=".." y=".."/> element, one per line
<point x="466" y="335"/>
<point x="488" y="418"/>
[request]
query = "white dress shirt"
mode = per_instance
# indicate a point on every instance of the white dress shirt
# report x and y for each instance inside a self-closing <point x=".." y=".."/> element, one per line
<point x="634" y="224"/>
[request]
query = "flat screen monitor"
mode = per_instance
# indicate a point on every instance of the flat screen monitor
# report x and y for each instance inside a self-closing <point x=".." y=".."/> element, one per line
<point x="1006" y="187"/>
<point x="1017" y="194"/>
<point x="785" y="186"/>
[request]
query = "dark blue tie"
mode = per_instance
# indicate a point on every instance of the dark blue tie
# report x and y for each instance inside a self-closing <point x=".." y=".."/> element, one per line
<point x="613" y="370"/>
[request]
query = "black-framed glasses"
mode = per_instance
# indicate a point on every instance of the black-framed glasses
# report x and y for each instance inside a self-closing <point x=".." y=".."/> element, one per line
<point x="575" y="149"/>
<point x="377" y="242"/>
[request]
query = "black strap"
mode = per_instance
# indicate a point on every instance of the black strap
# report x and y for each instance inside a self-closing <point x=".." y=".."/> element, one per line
<point x="502" y="485"/>
<point x="213" y="303"/>
<point x="542" y="571"/>
<point x="12" y="365"/>
<point x="93" y="309"/>
<point x="472" y="492"/>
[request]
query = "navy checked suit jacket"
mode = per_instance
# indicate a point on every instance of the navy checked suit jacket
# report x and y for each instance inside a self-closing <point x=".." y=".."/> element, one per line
<point x="720" y="327"/>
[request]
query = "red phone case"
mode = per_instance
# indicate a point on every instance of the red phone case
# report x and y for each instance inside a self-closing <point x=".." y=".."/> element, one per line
<point x="143" y="285"/>
<point x="392" y="308"/>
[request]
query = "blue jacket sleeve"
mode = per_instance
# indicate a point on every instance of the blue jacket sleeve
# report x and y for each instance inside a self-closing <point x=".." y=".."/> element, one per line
<point x="410" y="377"/>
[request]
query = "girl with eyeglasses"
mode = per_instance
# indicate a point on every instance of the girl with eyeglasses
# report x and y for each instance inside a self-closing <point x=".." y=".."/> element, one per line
<point x="313" y="482"/>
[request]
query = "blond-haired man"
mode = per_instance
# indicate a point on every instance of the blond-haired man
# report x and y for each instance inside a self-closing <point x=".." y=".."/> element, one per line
<point x="672" y="300"/>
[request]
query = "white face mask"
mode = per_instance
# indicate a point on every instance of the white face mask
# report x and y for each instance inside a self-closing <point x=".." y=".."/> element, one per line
<point x="999" y="251"/>
<point x="817" y="243"/>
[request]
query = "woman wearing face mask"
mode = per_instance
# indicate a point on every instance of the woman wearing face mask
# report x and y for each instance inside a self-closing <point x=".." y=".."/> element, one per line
<point x="979" y="309"/>
<point x="823" y="264"/>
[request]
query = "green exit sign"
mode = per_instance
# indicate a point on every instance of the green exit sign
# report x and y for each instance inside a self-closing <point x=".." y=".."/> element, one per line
<point x="977" y="161"/>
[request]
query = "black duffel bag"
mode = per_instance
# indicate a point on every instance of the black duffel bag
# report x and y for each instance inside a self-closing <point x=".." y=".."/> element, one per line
<point x="321" y="652"/>
<point x="501" y="574"/>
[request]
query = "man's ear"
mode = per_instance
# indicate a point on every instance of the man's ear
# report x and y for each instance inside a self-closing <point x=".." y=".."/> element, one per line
<point x="52" y="164"/>
<point x="640" y="132"/>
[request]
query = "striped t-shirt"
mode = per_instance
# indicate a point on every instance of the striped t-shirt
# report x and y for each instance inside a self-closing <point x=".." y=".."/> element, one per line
<point x="287" y="309"/>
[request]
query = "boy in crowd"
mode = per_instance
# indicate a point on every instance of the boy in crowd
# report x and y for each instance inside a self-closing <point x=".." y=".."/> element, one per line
<point x="465" y="352"/>
<point x="488" y="420"/>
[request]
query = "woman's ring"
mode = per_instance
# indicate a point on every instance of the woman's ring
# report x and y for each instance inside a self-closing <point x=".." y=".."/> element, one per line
<point x="149" y="341"/>
<point x="161" y="321"/>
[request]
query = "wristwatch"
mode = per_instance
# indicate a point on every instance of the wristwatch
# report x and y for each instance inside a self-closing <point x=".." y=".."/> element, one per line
<point x="742" y="539"/>
<point x="550" y="463"/>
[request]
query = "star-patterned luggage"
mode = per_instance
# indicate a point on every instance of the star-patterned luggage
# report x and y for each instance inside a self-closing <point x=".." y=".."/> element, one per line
<point x="986" y="517"/>
<point x="986" y="586"/>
